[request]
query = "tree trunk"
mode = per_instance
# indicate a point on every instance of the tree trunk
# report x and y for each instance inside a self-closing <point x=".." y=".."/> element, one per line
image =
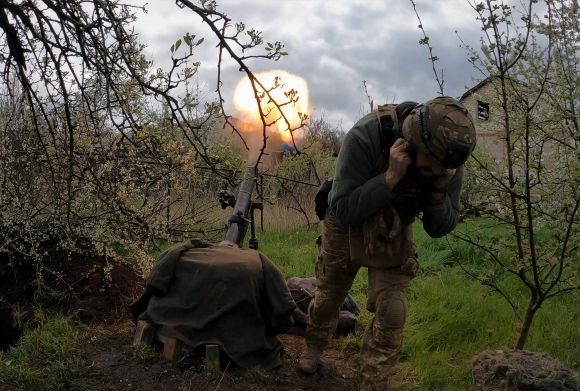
<point x="534" y="306"/>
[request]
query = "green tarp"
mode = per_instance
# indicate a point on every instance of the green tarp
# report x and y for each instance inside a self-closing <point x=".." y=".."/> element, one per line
<point x="236" y="298"/>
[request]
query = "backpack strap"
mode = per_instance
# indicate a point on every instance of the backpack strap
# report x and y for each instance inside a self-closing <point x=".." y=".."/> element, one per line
<point x="385" y="116"/>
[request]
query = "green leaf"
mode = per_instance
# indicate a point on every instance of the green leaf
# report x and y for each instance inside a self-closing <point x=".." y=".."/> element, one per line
<point x="283" y="53"/>
<point x="187" y="39"/>
<point x="199" y="42"/>
<point x="172" y="48"/>
<point x="177" y="44"/>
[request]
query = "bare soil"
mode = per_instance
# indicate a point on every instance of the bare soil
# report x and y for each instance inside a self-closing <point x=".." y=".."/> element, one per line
<point x="118" y="366"/>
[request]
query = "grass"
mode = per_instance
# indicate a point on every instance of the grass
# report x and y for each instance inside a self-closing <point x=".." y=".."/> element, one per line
<point x="451" y="317"/>
<point x="47" y="357"/>
<point x="295" y="251"/>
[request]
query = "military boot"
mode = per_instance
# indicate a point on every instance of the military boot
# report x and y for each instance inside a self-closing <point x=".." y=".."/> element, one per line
<point x="309" y="361"/>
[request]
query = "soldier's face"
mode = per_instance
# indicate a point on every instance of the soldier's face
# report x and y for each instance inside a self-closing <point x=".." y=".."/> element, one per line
<point x="428" y="166"/>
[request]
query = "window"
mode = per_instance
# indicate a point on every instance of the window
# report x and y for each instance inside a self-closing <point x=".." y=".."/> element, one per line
<point x="482" y="111"/>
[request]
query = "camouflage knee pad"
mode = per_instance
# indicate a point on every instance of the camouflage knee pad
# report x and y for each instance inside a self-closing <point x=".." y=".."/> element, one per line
<point x="390" y="317"/>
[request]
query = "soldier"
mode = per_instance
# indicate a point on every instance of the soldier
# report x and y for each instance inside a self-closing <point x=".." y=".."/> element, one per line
<point x="395" y="163"/>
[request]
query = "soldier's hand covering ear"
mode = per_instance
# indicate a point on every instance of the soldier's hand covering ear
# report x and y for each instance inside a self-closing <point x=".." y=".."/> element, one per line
<point x="399" y="160"/>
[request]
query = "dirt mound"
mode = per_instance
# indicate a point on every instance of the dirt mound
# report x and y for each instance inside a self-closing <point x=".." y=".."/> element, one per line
<point x="521" y="370"/>
<point x="87" y="286"/>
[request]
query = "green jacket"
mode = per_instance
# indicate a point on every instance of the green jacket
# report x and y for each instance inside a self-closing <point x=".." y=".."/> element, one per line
<point x="359" y="189"/>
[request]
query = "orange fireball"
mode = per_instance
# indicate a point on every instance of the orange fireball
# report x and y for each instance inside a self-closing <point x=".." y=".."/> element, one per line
<point x="289" y="84"/>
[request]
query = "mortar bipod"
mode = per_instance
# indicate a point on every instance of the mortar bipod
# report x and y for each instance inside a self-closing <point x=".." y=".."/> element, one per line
<point x="253" y="242"/>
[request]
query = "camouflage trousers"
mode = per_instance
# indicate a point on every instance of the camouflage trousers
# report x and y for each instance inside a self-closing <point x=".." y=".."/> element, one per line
<point x="335" y="272"/>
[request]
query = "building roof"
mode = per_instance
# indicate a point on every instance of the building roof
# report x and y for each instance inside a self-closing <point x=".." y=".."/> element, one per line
<point x="472" y="90"/>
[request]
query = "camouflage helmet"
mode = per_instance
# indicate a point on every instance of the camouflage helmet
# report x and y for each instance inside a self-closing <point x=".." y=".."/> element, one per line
<point x="442" y="130"/>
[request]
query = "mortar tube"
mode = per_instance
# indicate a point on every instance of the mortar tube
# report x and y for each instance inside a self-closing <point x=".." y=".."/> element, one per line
<point x="236" y="232"/>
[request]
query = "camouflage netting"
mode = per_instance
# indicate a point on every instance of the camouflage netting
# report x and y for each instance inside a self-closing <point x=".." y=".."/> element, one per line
<point x="521" y="370"/>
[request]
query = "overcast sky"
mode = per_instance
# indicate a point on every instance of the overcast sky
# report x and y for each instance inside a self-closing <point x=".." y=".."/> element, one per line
<point x="334" y="45"/>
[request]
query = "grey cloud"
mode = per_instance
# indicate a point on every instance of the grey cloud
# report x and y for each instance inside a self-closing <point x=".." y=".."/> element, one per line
<point x="334" y="49"/>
